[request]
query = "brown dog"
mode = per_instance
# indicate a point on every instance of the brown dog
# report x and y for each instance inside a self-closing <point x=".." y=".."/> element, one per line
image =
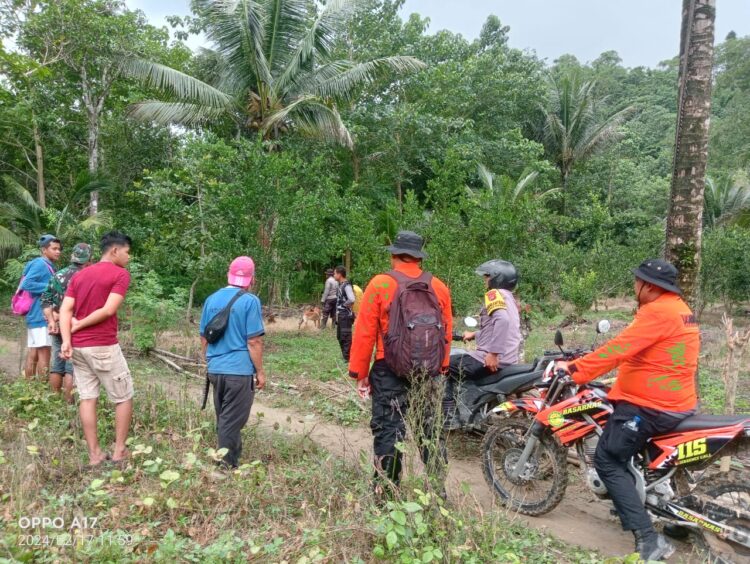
<point x="310" y="313"/>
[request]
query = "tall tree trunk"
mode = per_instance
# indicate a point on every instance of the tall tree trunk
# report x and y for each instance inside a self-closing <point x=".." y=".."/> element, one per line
<point x="41" y="191"/>
<point x="93" y="146"/>
<point x="356" y="163"/>
<point x="400" y="196"/>
<point x="684" y="222"/>
<point x="348" y="261"/>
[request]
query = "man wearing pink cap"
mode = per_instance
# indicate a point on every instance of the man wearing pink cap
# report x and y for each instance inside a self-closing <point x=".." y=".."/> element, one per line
<point x="235" y="361"/>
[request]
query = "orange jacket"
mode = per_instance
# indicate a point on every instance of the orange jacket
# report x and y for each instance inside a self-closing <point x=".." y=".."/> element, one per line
<point x="372" y="321"/>
<point x="657" y="355"/>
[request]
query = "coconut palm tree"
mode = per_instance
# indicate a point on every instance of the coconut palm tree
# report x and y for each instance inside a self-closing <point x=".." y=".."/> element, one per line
<point x="726" y="200"/>
<point x="684" y="219"/>
<point x="273" y="70"/>
<point x="573" y="126"/>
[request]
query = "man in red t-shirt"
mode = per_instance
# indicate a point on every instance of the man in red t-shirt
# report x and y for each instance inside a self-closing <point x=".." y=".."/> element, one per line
<point x="88" y="324"/>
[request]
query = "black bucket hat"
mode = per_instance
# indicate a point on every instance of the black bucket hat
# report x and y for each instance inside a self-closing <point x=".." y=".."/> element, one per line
<point x="659" y="273"/>
<point x="408" y="243"/>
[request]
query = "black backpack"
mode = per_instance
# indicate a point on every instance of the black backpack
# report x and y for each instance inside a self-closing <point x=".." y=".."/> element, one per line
<point x="415" y="341"/>
<point x="215" y="328"/>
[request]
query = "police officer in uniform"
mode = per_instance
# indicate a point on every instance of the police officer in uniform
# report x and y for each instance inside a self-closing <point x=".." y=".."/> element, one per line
<point x="499" y="335"/>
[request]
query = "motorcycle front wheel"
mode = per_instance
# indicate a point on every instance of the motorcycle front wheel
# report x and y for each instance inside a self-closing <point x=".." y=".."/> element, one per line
<point x="541" y="485"/>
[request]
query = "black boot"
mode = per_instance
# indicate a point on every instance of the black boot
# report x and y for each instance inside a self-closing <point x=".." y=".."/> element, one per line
<point x="651" y="545"/>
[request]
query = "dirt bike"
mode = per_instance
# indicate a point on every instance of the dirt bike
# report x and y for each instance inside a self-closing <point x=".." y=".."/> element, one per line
<point x="475" y="399"/>
<point x="525" y="463"/>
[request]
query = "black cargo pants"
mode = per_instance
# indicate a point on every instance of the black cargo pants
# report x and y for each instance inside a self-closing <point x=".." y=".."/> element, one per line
<point x="233" y="398"/>
<point x="394" y="400"/>
<point x="344" y="324"/>
<point x="617" y="445"/>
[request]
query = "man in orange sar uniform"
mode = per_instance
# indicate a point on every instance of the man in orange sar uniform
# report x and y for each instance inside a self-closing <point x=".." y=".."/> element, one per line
<point x="391" y="392"/>
<point x="657" y="355"/>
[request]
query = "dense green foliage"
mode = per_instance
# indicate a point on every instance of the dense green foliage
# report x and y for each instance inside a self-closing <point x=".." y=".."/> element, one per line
<point x="487" y="151"/>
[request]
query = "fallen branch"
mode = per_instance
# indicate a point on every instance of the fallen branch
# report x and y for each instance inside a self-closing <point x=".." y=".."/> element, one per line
<point x="176" y="367"/>
<point x="175" y="356"/>
<point x="168" y="362"/>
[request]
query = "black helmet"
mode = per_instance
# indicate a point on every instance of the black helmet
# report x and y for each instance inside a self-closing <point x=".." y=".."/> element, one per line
<point x="503" y="275"/>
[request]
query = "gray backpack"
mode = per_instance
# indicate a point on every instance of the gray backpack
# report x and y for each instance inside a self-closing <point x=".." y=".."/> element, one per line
<point x="415" y="341"/>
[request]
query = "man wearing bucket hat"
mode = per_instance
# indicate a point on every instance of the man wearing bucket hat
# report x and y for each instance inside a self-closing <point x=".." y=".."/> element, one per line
<point x="61" y="371"/>
<point x="657" y="355"/>
<point x="393" y="392"/>
<point x="235" y="360"/>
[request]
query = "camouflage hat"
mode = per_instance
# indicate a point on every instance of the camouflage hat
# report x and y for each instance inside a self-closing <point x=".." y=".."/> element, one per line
<point x="81" y="253"/>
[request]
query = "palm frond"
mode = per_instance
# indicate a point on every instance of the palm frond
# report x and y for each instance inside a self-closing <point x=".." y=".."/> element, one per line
<point x="9" y="241"/>
<point x="600" y="135"/>
<point x="338" y="79"/>
<point x="726" y="200"/>
<point x="318" y="38"/>
<point x="174" y="112"/>
<point x="101" y="219"/>
<point x="178" y="84"/>
<point x="524" y="184"/>
<point x="285" y="22"/>
<point x="237" y="29"/>
<point x="486" y="177"/>
<point x="21" y="193"/>
<point x="313" y="117"/>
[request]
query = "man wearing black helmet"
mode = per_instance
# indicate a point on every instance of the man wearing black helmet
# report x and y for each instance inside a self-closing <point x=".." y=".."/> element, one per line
<point x="499" y="334"/>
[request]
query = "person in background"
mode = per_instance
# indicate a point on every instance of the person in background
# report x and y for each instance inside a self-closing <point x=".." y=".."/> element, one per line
<point x="235" y="361"/>
<point x="88" y="325"/>
<point x="36" y="275"/>
<point x="61" y="371"/>
<point x="344" y="315"/>
<point x="328" y="299"/>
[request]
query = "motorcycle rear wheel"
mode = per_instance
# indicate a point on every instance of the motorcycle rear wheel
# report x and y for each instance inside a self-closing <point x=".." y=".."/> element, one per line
<point x="542" y="485"/>
<point x="732" y="492"/>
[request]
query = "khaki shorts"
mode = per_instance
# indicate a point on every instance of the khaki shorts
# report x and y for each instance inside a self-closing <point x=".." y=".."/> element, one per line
<point x="102" y="365"/>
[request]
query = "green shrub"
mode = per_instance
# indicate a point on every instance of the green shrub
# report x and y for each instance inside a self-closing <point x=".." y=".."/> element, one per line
<point x="151" y="309"/>
<point x="725" y="270"/>
<point x="579" y="289"/>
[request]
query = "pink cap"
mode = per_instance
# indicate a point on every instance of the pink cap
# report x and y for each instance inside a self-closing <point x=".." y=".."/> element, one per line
<point x="241" y="272"/>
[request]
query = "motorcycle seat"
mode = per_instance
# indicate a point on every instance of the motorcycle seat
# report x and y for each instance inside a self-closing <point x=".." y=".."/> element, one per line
<point x="515" y="382"/>
<point x="505" y="372"/>
<point x="704" y="421"/>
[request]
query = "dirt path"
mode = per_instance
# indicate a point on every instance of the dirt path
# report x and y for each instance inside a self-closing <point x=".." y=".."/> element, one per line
<point x="580" y="519"/>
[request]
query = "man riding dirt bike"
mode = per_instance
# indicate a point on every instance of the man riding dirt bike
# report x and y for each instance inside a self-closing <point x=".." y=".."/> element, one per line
<point x="498" y="338"/>
<point x="638" y="437"/>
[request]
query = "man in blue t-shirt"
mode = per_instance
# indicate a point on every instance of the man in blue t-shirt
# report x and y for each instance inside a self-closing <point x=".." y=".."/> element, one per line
<point x="235" y="362"/>
<point x="36" y="275"/>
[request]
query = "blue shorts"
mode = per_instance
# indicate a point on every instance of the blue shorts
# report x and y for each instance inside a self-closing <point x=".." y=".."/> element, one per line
<point x="59" y="365"/>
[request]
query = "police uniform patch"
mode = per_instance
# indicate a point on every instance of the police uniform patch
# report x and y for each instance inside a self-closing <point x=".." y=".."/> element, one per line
<point x="494" y="300"/>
